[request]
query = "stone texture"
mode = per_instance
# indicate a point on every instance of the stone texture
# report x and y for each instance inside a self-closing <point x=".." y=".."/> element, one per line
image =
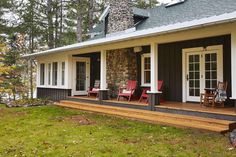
<point x="121" y="63"/>
<point x="121" y="67"/>
<point x="120" y="16"/>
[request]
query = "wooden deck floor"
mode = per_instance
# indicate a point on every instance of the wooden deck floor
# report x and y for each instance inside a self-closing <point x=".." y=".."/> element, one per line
<point x="173" y="105"/>
<point x="209" y="124"/>
<point x="198" y="107"/>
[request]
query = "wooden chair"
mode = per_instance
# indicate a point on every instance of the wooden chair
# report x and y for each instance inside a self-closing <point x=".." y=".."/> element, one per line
<point x="95" y="89"/>
<point x="213" y="97"/>
<point x="127" y="91"/>
<point x="144" y="94"/>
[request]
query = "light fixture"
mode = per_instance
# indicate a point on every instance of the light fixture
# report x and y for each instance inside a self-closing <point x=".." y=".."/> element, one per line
<point x="138" y="49"/>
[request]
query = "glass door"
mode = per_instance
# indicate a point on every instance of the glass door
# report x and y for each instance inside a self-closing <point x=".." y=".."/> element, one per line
<point x="81" y="74"/>
<point x="210" y="60"/>
<point x="204" y="70"/>
<point x="193" y="76"/>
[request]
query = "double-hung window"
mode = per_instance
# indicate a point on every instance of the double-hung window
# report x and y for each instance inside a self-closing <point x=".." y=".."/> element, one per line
<point x="42" y="74"/>
<point x="146" y="69"/>
<point x="54" y="73"/>
<point x="49" y="73"/>
<point x="63" y="73"/>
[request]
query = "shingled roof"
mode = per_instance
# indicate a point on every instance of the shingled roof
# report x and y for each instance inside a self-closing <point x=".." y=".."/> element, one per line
<point x="187" y="11"/>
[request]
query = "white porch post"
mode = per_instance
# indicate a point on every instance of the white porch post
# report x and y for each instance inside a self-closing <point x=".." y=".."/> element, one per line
<point x="154" y="68"/>
<point x="103" y="93"/>
<point x="233" y="64"/>
<point x="103" y="73"/>
<point x="154" y="94"/>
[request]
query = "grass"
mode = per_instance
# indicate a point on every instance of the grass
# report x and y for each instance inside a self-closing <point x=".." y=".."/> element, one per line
<point x="53" y="131"/>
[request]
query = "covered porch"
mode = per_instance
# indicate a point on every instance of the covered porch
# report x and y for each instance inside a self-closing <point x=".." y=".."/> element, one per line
<point x="186" y="68"/>
<point x="187" y="62"/>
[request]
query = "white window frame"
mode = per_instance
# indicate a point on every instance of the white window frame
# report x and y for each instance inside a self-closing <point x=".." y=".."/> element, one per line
<point x="56" y="83"/>
<point x="44" y="73"/>
<point x="143" y="56"/>
<point x="49" y="75"/>
<point x="63" y="74"/>
<point x="59" y="73"/>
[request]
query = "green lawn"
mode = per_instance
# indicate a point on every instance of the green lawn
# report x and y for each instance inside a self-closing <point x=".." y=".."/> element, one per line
<point x="54" y="131"/>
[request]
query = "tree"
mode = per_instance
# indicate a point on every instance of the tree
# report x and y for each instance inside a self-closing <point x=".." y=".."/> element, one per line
<point x="12" y="70"/>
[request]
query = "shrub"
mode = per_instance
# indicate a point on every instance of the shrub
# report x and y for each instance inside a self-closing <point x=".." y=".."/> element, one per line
<point x="27" y="102"/>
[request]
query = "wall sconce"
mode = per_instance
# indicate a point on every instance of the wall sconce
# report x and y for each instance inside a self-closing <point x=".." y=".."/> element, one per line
<point x="138" y="49"/>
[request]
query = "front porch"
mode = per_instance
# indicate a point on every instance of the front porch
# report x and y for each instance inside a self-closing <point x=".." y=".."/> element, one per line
<point x="185" y="67"/>
<point x="209" y="120"/>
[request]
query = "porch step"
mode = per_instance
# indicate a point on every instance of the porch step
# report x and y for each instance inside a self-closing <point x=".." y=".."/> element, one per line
<point x="209" y="124"/>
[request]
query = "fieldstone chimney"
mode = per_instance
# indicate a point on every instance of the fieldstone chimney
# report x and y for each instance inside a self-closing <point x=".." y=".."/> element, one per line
<point x="121" y="63"/>
<point x="120" y="16"/>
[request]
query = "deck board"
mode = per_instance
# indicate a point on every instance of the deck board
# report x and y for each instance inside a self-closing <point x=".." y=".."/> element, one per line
<point x="172" y="105"/>
<point x="155" y="117"/>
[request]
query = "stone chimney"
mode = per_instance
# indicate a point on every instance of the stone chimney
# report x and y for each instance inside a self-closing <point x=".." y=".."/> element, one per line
<point x="120" y="16"/>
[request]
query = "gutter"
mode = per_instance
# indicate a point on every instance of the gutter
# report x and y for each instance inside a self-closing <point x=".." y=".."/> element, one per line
<point x="224" y="18"/>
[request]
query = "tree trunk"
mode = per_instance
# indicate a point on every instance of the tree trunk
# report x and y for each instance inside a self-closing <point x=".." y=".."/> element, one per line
<point x="50" y="24"/>
<point x="56" y="24"/>
<point x="31" y="49"/>
<point x="79" y="23"/>
<point x="90" y="14"/>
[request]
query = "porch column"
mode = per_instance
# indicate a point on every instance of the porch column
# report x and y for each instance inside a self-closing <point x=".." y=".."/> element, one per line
<point x="103" y="92"/>
<point x="233" y="65"/>
<point x="154" y="94"/>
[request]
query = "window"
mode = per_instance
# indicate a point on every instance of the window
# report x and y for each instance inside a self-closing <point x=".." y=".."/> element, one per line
<point x="49" y="73"/>
<point x="54" y="73"/>
<point x="63" y="73"/>
<point x="146" y="70"/>
<point x="42" y="73"/>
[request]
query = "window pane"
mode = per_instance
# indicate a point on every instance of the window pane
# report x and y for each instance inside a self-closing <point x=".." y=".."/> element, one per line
<point x="196" y="58"/>
<point x="54" y="73"/>
<point x="147" y="63"/>
<point x="42" y="73"/>
<point x="207" y="57"/>
<point x="207" y="66"/>
<point x="147" y="77"/>
<point x="191" y="92"/>
<point x="197" y="92"/>
<point x="213" y="57"/>
<point x="63" y="73"/>
<point x="213" y="66"/>
<point x="191" y="67"/>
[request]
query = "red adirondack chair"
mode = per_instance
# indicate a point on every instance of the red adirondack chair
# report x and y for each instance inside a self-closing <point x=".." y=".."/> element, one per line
<point x="144" y="92"/>
<point x="127" y="91"/>
<point x="95" y="89"/>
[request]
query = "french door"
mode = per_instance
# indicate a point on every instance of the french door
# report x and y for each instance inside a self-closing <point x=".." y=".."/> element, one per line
<point x="81" y="68"/>
<point x="204" y="70"/>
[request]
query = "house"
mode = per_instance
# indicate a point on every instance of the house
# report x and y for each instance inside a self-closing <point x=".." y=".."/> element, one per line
<point x="190" y="44"/>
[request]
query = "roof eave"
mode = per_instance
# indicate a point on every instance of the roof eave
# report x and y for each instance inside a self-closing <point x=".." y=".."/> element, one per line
<point x="224" y="18"/>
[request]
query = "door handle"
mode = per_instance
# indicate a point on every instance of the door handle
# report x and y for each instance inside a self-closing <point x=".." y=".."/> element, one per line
<point x="187" y="78"/>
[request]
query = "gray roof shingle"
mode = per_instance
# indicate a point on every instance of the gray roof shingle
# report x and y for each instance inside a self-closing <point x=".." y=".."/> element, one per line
<point x="187" y="11"/>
